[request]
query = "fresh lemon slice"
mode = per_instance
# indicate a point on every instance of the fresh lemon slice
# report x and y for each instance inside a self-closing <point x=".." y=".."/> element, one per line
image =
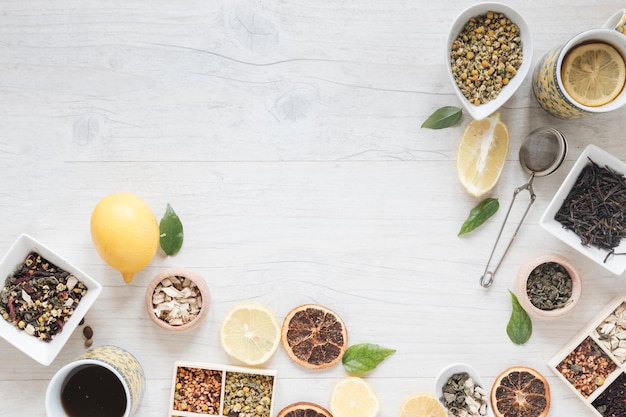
<point x="422" y="405"/>
<point x="250" y="333"/>
<point x="353" y="397"/>
<point x="593" y="74"/>
<point x="482" y="153"/>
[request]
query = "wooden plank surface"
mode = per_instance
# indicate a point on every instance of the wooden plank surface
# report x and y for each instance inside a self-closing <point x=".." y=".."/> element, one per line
<point x="286" y="135"/>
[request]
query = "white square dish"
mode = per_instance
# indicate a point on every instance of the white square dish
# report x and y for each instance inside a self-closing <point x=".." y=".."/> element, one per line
<point x="44" y="352"/>
<point x="614" y="264"/>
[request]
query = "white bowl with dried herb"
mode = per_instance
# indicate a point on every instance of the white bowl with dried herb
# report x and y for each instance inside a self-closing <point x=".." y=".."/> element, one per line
<point x="177" y="299"/>
<point x="460" y="390"/>
<point x="548" y="286"/>
<point x="43" y="299"/>
<point x="488" y="55"/>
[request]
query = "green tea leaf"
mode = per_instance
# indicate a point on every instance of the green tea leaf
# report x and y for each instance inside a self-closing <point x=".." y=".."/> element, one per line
<point x="444" y="117"/>
<point x="364" y="357"/>
<point x="171" y="230"/>
<point x="479" y="214"/>
<point x="520" y="327"/>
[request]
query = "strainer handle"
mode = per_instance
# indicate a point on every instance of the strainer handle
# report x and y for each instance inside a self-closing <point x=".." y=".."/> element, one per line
<point x="487" y="278"/>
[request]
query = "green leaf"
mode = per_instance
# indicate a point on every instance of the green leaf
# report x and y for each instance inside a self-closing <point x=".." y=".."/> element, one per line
<point x="520" y="327"/>
<point x="364" y="357"/>
<point x="479" y="214"/>
<point x="171" y="229"/>
<point x="444" y="117"/>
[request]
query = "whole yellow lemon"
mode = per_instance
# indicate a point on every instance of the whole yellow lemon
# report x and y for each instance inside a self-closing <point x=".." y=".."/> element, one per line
<point x="125" y="233"/>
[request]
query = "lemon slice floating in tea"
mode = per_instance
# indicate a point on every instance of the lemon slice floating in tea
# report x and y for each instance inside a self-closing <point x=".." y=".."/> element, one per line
<point x="593" y="74"/>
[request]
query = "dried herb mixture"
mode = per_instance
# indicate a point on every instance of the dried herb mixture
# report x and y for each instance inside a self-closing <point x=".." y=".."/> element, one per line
<point x="39" y="297"/>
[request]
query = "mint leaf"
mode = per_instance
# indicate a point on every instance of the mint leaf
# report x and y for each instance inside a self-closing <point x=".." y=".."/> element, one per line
<point x="479" y="214"/>
<point x="520" y="327"/>
<point x="171" y="232"/>
<point x="364" y="357"/>
<point x="444" y="117"/>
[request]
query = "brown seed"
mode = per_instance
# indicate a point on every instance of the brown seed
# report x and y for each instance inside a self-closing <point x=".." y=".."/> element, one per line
<point x="88" y="332"/>
<point x="88" y="342"/>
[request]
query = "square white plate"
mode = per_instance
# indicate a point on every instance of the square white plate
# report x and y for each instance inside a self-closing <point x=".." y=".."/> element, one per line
<point x="44" y="352"/>
<point x="614" y="264"/>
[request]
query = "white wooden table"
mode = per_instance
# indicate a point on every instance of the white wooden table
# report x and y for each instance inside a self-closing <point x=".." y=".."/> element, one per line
<point x="286" y="135"/>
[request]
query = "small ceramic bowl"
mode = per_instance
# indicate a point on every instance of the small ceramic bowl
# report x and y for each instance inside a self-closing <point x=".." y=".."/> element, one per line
<point x="178" y="296"/>
<point x="521" y="285"/>
<point x="613" y="264"/>
<point x="456" y="368"/>
<point x="483" y="110"/>
<point x="44" y="352"/>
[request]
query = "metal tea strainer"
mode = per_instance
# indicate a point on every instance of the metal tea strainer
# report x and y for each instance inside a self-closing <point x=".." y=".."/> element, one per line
<point x="541" y="153"/>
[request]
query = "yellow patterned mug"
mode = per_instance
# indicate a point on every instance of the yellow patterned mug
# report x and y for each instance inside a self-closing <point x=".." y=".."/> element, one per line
<point x="104" y="381"/>
<point x="547" y="83"/>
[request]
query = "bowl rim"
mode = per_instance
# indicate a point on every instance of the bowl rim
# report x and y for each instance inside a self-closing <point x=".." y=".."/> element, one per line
<point x="615" y="264"/>
<point x="40" y="351"/>
<point x="200" y="283"/>
<point x="454" y="368"/>
<point x="521" y="279"/>
<point x="484" y="110"/>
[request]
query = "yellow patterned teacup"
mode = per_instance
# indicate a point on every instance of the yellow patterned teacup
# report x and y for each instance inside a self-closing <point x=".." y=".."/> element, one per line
<point x="124" y="389"/>
<point x="548" y="86"/>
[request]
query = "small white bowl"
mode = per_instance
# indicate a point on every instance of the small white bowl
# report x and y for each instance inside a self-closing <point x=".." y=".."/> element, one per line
<point x="521" y="280"/>
<point x="614" y="264"/>
<point x="483" y="110"/>
<point x="455" y="368"/>
<point x="44" y="352"/>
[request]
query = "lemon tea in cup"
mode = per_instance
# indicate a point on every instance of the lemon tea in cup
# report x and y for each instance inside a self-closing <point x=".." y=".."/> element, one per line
<point x="585" y="75"/>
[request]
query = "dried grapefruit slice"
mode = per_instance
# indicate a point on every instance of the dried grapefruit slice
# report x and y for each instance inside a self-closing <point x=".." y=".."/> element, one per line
<point x="304" y="409"/>
<point x="520" y="392"/>
<point x="314" y="336"/>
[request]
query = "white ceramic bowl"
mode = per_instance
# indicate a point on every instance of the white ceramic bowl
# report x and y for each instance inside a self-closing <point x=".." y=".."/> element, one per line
<point x="521" y="280"/>
<point x="614" y="264"/>
<point x="484" y="110"/>
<point x="44" y="352"/>
<point x="455" y="368"/>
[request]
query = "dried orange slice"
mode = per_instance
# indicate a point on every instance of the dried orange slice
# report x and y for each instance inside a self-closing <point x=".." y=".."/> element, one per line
<point x="593" y="74"/>
<point x="520" y="392"/>
<point x="304" y="409"/>
<point x="314" y="336"/>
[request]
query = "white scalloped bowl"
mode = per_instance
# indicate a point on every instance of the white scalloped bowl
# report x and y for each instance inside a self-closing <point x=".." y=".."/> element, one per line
<point x="483" y="110"/>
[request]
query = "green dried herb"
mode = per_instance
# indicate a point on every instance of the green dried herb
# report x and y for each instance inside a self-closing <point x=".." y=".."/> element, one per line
<point x="171" y="232"/>
<point x="364" y="357"/>
<point x="479" y="214"/>
<point x="520" y="327"/>
<point x="444" y="117"/>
